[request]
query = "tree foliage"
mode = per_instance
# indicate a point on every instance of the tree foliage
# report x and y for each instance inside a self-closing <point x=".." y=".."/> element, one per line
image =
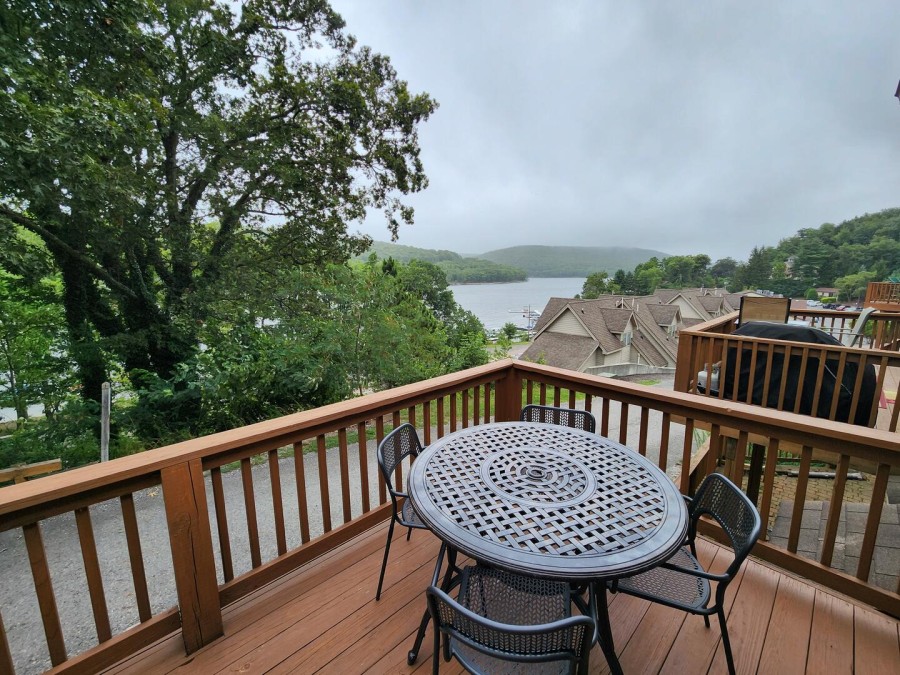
<point x="146" y="142"/>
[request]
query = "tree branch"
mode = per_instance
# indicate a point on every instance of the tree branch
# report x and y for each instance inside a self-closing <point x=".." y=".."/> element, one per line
<point x="60" y="245"/>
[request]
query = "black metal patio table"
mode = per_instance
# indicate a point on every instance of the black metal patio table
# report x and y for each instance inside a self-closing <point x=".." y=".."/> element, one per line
<point x="549" y="501"/>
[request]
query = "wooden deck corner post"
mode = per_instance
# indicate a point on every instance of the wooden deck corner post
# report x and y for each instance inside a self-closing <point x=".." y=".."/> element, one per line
<point x="192" y="554"/>
<point x="683" y="362"/>
<point x="508" y="400"/>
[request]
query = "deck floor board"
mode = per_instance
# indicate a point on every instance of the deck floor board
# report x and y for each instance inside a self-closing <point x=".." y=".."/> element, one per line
<point x="324" y="618"/>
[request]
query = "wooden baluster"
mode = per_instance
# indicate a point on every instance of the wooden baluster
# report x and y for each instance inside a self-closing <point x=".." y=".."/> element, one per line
<point x="857" y="389"/>
<point x="529" y="392"/>
<point x="642" y="436"/>
<point x="379" y="436"/>
<point x="754" y="352"/>
<point x="708" y="363"/>
<point x="587" y="402"/>
<point x="300" y="480"/>
<point x="345" y="473"/>
<point x="190" y="539"/>
<point x="785" y="369"/>
<point x="452" y="413"/>
<point x="834" y="510"/>
<point x="222" y="523"/>
<point x="92" y="572"/>
<point x="43" y="586"/>
<point x="723" y="366"/>
<point x="604" y="417"/>
<point x="736" y="468"/>
<point x="465" y="408"/>
<point x="839" y="380"/>
<point x="250" y="511"/>
<point x="542" y="400"/>
<point x="426" y="422"/>
<point x="135" y="556"/>
<point x="362" y="444"/>
<point x="623" y="423"/>
<point x="768" y="485"/>
<point x="572" y="398"/>
<point x="685" y="486"/>
<point x="754" y="476"/>
<point x="557" y="396"/>
<point x="770" y="356"/>
<point x="487" y="401"/>
<point x="398" y="470"/>
<point x="715" y="450"/>
<point x="664" y="440"/>
<point x="440" y="417"/>
<point x="476" y="407"/>
<point x="820" y="378"/>
<point x="277" y="503"/>
<point x="875" y="508"/>
<point x="6" y="662"/>
<point x="411" y="415"/>
<point x="798" y="396"/>
<point x="737" y="371"/>
<point x="879" y="388"/>
<point x="799" y="498"/>
<point x="322" y="459"/>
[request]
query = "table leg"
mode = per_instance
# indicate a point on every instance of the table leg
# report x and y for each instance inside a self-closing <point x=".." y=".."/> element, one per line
<point x="605" y="630"/>
<point x="445" y="586"/>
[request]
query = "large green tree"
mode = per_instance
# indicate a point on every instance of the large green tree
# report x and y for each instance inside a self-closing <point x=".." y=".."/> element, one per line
<point x="146" y="141"/>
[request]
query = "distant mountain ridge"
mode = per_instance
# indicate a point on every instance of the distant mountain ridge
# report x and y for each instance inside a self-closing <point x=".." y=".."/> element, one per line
<point x="535" y="261"/>
<point x="571" y="261"/>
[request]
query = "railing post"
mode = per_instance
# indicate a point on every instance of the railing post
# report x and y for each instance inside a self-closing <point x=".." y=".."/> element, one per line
<point x="683" y="364"/>
<point x="192" y="554"/>
<point x="508" y="399"/>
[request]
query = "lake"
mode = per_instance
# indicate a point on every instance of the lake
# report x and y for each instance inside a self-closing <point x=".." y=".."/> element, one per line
<point x="497" y="304"/>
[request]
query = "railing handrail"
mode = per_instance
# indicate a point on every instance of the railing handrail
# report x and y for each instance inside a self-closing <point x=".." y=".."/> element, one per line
<point x="270" y="433"/>
<point x="877" y="445"/>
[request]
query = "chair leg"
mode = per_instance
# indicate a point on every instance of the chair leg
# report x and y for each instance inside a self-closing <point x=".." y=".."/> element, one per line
<point x="387" y="549"/>
<point x="725" y="641"/>
<point x="706" y="620"/>
<point x="436" y="658"/>
<point x="408" y="533"/>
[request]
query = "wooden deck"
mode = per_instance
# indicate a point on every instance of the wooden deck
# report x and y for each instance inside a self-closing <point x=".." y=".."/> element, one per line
<point x="323" y="618"/>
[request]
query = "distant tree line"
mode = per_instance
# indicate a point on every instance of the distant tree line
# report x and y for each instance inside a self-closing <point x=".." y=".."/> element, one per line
<point x="845" y="256"/>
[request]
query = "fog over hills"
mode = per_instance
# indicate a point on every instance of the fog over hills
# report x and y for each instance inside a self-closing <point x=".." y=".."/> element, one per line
<point x="535" y="261"/>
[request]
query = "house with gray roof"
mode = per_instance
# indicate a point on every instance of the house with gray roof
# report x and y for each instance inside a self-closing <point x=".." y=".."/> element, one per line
<point x="622" y="334"/>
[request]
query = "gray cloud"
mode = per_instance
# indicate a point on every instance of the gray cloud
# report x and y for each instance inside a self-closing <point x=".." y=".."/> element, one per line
<point x="710" y="128"/>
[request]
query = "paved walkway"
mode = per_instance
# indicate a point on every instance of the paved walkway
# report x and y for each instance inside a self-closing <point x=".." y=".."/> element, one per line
<point x="848" y="543"/>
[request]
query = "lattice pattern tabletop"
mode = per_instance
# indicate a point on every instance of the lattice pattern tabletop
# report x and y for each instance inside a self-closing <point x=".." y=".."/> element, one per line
<point x="548" y="500"/>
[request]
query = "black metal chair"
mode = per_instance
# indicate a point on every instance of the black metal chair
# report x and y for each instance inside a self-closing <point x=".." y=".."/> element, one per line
<point x="682" y="582"/>
<point x="401" y="443"/>
<point x="567" y="417"/>
<point x="504" y="622"/>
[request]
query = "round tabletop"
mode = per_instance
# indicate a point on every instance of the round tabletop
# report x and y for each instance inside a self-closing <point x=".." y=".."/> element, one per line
<point x="547" y="500"/>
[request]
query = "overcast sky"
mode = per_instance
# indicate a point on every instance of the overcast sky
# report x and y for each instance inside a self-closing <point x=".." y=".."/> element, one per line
<point x="707" y="128"/>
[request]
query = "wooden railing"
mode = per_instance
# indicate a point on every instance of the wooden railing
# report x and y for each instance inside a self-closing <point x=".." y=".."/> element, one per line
<point x="713" y="362"/>
<point x="884" y="295"/>
<point x="334" y="494"/>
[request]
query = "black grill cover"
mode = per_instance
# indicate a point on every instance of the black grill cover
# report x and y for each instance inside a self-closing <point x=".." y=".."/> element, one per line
<point x="775" y="331"/>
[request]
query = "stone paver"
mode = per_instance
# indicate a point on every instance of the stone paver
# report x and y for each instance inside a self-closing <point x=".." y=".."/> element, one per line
<point x="849" y="538"/>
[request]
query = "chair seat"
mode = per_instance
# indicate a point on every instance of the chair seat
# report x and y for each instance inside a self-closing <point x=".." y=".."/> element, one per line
<point x="514" y="600"/>
<point x="409" y="517"/>
<point x="671" y="586"/>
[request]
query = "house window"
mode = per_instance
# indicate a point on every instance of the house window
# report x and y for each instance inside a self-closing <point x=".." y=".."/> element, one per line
<point x="626" y="338"/>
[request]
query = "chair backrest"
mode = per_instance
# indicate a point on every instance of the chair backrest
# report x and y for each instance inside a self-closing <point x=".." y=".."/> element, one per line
<point x="566" y="641"/>
<point x="854" y="338"/>
<point x="718" y="497"/>
<point x="567" y="417"/>
<point x="401" y="443"/>
<point x="764" y="309"/>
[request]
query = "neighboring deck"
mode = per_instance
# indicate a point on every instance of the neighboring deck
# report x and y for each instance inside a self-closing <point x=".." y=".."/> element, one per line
<point x="324" y="617"/>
